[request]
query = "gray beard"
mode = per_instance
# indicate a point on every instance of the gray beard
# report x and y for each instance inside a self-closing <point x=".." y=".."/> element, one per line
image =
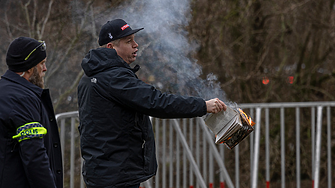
<point x="36" y="79"/>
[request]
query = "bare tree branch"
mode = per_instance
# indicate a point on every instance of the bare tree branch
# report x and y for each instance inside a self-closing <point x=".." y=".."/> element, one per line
<point x="25" y="10"/>
<point x="41" y="33"/>
<point x="71" y="46"/>
<point x="70" y="90"/>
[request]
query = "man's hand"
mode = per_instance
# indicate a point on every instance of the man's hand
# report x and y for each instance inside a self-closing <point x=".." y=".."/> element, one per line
<point x="215" y="106"/>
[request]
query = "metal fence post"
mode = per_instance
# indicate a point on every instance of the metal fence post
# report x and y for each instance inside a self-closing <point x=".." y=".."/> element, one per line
<point x="282" y="141"/>
<point x="72" y="153"/>
<point x="267" y="148"/>
<point x="329" y="148"/>
<point x="256" y="150"/>
<point x="318" y="148"/>
<point x="297" y="137"/>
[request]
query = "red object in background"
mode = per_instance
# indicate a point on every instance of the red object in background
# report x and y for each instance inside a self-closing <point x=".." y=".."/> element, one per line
<point x="222" y="185"/>
<point x="290" y="79"/>
<point x="265" y="80"/>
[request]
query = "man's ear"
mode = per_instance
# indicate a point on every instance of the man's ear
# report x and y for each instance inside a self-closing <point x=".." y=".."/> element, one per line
<point x="29" y="71"/>
<point x="110" y="45"/>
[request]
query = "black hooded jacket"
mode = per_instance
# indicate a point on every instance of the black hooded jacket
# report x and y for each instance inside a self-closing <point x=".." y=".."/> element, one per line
<point x="117" y="140"/>
<point x="36" y="161"/>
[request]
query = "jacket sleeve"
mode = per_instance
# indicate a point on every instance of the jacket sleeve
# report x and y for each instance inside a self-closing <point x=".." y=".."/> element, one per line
<point x="130" y="91"/>
<point x="31" y="147"/>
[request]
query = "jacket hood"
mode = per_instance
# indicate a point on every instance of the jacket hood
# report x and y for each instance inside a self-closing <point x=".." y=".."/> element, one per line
<point x="100" y="59"/>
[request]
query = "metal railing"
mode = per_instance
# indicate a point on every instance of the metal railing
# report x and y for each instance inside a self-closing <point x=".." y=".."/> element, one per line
<point x="316" y="123"/>
<point x="188" y="157"/>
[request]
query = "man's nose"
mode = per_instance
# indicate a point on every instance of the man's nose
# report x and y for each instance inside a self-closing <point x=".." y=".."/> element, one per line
<point x="135" y="45"/>
<point x="44" y="68"/>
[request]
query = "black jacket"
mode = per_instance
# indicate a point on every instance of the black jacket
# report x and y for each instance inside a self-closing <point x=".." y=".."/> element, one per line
<point x="32" y="162"/>
<point x="117" y="140"/>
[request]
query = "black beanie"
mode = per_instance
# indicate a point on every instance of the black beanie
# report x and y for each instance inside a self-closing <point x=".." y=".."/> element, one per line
<point x="19" y="49"/>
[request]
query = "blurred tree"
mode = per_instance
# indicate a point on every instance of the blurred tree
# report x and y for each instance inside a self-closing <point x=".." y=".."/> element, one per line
<point x="69" y="29"/>
<point x="247" y="41"/>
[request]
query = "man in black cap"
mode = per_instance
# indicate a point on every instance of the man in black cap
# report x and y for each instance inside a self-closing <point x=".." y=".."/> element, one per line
<point x="30" y="153"/>
<point x="117" y="140"/>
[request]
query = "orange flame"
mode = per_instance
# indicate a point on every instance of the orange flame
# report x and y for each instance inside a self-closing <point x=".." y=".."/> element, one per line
<point x="246" y="117"/>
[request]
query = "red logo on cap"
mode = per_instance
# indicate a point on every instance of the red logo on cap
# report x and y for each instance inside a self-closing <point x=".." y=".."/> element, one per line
<point x="124" y="27"/>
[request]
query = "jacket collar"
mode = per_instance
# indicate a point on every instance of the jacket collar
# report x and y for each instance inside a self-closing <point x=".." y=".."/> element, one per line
<point x="13" y="77"/>
<point x="100" y="59"/>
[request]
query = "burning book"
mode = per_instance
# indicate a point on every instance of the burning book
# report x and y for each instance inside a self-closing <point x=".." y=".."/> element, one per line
<point x="230" y="126"/>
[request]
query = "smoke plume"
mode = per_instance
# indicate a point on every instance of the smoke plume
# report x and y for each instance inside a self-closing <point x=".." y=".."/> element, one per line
<point x="165" y="52"/>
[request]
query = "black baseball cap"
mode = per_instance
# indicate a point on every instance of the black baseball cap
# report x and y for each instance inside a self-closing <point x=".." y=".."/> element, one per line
<point x="115" y="29"/>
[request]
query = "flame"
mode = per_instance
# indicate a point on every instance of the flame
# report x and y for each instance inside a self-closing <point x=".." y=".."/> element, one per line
<point x="246" y="117"/>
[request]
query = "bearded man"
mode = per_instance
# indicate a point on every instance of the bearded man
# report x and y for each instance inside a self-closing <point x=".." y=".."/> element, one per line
<point x="30" y="152"/>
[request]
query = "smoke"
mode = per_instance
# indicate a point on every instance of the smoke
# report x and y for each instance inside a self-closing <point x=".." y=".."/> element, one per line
<point x="165" y="52"/>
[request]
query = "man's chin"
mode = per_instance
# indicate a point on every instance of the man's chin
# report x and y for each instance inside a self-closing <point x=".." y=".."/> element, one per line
<point x="132" y="60"/>
<point x="38" y="81"/>
<point x="39" y="84"/>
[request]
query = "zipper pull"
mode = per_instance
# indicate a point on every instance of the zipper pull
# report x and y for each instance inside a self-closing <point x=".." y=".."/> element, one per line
<point x="143" y="144"/>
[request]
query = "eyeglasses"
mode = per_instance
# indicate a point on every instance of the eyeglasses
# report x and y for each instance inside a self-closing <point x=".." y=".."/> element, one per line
<point x="43" y="48"/>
